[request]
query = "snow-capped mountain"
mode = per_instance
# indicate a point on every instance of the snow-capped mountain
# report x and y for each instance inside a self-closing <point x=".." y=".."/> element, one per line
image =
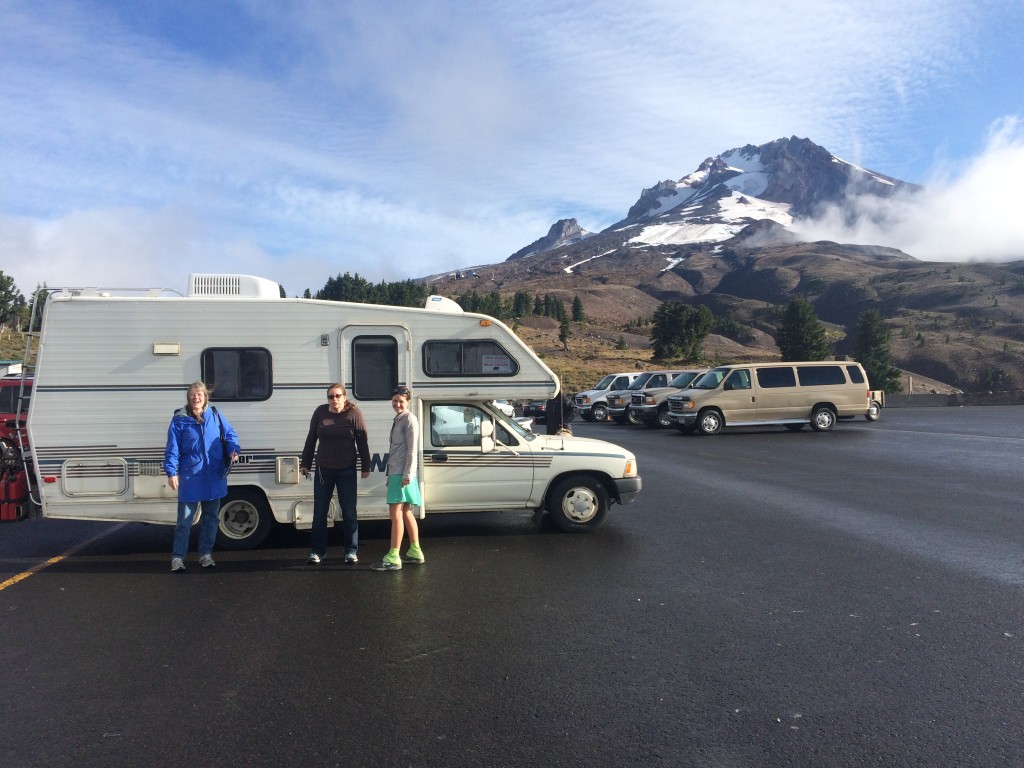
<point x="782" y="181"/>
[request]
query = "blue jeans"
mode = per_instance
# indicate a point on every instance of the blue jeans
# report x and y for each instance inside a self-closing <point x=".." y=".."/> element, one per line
<point x="324" y="483"/>
<point x="207" y="526"/>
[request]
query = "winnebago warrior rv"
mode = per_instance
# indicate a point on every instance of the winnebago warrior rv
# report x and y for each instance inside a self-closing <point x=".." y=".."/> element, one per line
<point x="112" y="366"/>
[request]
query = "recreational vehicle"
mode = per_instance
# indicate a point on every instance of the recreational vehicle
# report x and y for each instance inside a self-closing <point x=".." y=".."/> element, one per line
<point x="112" y="366"/>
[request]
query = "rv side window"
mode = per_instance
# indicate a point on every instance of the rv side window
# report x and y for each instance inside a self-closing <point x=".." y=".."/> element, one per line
<point x="467" y="358"/>
<point x="855" y="375"/>
<point x="820" y="375"/>
<point x="374" y="367"/>
<point x="238" y="374"/>
<point x="773" y="378"/>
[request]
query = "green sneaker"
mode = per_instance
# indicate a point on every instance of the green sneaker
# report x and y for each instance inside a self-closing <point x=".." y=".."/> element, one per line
<point x="414" y="556"/>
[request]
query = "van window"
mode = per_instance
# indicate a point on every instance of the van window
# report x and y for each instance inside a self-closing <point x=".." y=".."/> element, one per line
<point x="244" y="373"/>
<point x="711" y="379"/>
<point x="467" y="358"/>
<point x="374" y="367"/>
<point x="772" y="378"/>
<point x="738" y="379"/>
<point x="620" y="383"/>
<point x="820" y="375"/>
<point x="855" y="375"/>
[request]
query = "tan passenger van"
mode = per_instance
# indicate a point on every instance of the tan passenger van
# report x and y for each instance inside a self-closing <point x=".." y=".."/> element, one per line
<point x="757" y="394"/>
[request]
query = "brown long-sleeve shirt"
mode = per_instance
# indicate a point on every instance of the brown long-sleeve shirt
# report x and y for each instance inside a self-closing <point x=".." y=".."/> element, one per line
<point x="341" y="437"/>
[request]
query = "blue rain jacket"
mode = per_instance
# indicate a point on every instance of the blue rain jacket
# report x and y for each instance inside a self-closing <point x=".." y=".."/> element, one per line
<point x="196" y="455"/>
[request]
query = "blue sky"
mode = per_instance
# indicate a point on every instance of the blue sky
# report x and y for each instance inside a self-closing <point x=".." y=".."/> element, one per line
<point x="143" y="140"/>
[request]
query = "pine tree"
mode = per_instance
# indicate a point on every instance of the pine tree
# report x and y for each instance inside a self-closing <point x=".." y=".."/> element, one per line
<point x="872" y="350"/>
<point x="801" y="336"/>
<point x="680" y="330"/>
<point x="577" y="310"/>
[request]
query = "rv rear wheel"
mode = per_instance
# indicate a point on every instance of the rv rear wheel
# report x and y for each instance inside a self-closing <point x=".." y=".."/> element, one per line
<point x="710" y="422"/>
<point x="578" y="503"/>
<point x="822" y="419"/>
<point x="245" y="519"/>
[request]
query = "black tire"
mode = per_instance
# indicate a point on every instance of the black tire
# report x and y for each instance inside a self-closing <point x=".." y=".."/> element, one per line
<point x="794" y="427"/>
<point x="661" y="419"/>
<point x="874" y="411"/>
<point x="599" y="412"/>
<point x="633" y="417"/>
<point x="823" y="418"/>
<point x="710" y="422"/>
<point x="578" y="503"/>
<point x="245" y="519"/>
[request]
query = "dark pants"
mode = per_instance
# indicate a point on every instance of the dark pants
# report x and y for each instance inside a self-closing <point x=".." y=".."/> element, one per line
<point x="324" y="483"/>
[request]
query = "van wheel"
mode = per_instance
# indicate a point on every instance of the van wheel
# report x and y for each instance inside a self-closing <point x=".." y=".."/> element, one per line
<point x="661" y="419"/>
<point x="245" y="519"/>
<point x="822" y="419"/>
<point x="599" y="412"/>
<point x="710" y="422"/>
<point x="633" y="417"/>
<point x="874" y="411"/>
<point x="578" y="503"/>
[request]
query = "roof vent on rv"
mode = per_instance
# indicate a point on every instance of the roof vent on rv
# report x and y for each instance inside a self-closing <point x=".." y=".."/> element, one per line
<point x="241" y="286"/>
<point x="442" y="304"/>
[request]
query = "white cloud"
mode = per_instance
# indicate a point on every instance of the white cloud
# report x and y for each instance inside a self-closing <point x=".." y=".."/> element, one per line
<point x="401" y="139"/>
<point x="971" y="213"/>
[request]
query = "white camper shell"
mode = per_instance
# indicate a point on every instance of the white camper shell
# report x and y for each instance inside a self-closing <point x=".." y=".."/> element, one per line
<point x="112" y="366"/>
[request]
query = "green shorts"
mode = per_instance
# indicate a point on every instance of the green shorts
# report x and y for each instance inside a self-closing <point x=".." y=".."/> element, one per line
<point x="397" y="493"/>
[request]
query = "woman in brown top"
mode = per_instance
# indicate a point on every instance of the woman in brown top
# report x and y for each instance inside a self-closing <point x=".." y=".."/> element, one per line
<point x="339" y="429"/>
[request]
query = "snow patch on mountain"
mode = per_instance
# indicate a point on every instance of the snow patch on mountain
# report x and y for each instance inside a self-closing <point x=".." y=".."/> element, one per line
<point x="735" y="212"/>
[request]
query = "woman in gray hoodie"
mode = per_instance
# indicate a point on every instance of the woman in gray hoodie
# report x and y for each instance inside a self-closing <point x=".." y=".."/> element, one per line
<point x="403" y="488"/>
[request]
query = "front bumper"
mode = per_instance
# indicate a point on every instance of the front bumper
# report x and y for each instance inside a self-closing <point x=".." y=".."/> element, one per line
<point x="628" y="488"/>
<point x="683" y="419"/>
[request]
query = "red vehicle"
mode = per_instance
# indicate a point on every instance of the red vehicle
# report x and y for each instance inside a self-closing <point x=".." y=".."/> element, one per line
<point x="10" y="391"/>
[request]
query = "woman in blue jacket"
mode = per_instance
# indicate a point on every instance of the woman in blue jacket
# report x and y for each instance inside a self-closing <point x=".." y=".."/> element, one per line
<point x="201" y="446"/>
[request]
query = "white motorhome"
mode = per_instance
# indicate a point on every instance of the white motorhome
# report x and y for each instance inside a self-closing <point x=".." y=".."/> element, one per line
<point x="112" y="367"/>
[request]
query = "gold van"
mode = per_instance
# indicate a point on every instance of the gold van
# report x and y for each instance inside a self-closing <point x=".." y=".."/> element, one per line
<point x="757" y="394"/>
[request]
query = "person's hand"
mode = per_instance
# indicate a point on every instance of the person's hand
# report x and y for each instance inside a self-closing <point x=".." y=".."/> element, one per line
<point x="234" y="456"/>
<point x="365" y="474"/>
<point x="173" y="482"/>
<point x="304" y="471"/>
<point x="405" y="481"/>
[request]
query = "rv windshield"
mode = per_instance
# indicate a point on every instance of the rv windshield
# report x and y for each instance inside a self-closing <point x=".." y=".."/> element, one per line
<point x="711" y="379"/>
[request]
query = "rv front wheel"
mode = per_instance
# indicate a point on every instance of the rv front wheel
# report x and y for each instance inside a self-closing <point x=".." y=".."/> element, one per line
<point x="578" y="503"/>
<point x="245" y="519"/>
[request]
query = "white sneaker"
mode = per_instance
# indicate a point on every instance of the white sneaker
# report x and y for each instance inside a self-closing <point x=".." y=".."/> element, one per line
<point x="313" y="559"/>
<point x="351" y="557"/>
<point x="206" y="561"/>
<point x="177" y="564"/>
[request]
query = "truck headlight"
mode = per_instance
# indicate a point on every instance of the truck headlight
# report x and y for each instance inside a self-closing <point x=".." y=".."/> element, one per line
<point x="649" y="400"/>
<point x="688" y="405"/>
<point x="630" y="470"/>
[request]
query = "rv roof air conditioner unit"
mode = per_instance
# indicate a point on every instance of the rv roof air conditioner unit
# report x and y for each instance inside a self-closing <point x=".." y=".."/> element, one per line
<point x="239" y="286"/>
<point x="442" y="304"/>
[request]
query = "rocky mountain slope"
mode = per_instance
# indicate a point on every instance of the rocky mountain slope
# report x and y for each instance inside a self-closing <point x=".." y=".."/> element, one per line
<point x="723" y="237"/>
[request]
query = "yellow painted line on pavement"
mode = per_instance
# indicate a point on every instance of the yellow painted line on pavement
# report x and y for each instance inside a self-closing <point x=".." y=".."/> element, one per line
<point x="54" y="560"/>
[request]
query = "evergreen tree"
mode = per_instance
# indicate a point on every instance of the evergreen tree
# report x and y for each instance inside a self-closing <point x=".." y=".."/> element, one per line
<point x="538" y="305"/>
<point x="577" y="310"/>
<point x="872" y="350"/>
<point x="680" y="330"/>
<point x="564" y="332"/>
<point x="12" y="303"/>
<point x="521" y="303"/>
<point x="800" y="335"/>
